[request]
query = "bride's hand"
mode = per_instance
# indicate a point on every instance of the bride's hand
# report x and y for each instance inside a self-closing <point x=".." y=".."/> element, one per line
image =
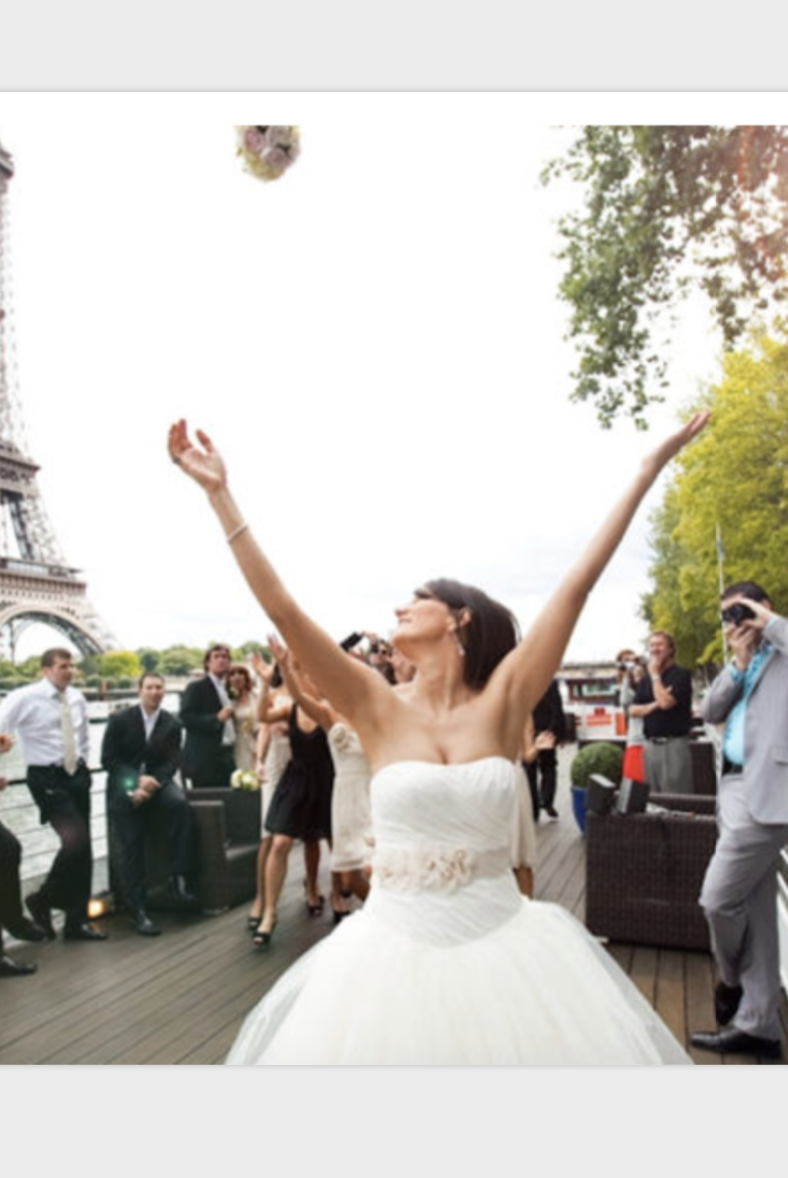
<point x="671" y="446"/>
<point x="205" y="466"/>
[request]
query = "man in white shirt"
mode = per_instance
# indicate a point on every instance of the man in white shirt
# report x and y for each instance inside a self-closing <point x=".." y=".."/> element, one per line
<point x="50" y="718"/>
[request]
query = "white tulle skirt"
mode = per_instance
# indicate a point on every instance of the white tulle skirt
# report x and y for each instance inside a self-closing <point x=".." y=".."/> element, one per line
<point x="393" y="985"/>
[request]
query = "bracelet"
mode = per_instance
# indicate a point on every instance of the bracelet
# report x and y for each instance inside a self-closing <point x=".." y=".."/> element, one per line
<point x="236" y="532"/>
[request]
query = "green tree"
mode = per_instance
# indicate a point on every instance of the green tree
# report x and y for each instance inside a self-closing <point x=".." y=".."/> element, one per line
<point x="117" y="664"/>
<point x="735" y="478"/>
<point x="665" y="209"/>
<point x="180" y="660"/>
<point x="149" y="658"/>
<point x="31" y="667"/>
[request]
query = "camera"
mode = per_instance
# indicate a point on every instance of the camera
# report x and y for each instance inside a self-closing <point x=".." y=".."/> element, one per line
<point x="737" y="613"/>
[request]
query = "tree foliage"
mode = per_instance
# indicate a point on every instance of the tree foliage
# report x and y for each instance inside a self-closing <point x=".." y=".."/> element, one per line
<point x="666" y="209"/>
<point x="734" y="477"/>
<point x="117" y="664"/>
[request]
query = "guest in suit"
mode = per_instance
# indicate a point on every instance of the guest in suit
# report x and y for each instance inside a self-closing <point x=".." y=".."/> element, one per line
<point x="141" y="752"/>
<point x="207" y="715"/>
<point x="739" y="893"/>
<point x="11" y="915"/>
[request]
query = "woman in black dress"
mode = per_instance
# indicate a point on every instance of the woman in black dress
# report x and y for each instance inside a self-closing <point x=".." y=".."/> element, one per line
<point x="300" y="809"/>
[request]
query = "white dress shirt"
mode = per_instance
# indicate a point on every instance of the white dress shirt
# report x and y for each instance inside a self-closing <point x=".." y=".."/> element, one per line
<point x="149" y="720"/>
<point x="33" y="713"/>
<point x="228" y="734"/>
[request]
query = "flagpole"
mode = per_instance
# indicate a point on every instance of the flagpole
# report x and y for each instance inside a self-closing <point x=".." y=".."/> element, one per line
<point x="721" y="579"/>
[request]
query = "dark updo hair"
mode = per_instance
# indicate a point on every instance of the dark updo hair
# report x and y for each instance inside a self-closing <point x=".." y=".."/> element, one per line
<point x="489" y="635"/>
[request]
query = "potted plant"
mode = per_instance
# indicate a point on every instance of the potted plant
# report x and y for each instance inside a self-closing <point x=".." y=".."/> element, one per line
<point x="598" y="757"/>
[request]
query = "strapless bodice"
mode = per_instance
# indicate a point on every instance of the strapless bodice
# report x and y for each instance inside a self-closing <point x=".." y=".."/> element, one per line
<point x="467" y="806"/>
<point x="442" y="832"/>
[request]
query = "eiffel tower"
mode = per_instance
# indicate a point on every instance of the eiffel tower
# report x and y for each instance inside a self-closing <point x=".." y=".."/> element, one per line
<point x="36" y="584"/>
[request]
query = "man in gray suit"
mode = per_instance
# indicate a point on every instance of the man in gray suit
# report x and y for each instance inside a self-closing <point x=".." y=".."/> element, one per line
<point x="739" y="893"/>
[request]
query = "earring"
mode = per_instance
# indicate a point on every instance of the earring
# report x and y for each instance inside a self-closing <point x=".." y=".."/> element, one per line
<point x="460" y="647"/>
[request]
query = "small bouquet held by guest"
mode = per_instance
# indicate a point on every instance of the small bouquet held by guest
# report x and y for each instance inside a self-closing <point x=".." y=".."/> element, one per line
<point x="244" y="779"/>
<point x="268" y="152"/>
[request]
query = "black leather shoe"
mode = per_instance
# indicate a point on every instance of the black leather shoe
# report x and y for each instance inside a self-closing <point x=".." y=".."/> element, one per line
<point x="142" y="924"/>
<point x="735" y="1042"/>
<point x="179" y="891"/>
<point x="726" y="1002"/>
<point x="15" y="969"/>
<point x="82" y="932"/>
<point x="26" y="930"/>
<point x="41" y="913"/>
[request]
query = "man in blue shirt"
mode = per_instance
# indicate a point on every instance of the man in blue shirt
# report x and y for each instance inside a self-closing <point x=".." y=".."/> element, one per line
<point x="739" y="893"/>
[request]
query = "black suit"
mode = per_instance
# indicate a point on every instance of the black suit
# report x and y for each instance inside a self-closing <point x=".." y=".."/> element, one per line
<point x="207" y="762"/>
<point x="125" y="754"/>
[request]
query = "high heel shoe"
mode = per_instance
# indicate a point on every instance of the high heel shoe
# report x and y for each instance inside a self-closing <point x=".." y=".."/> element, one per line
<point x="338" y="916"/>
<point x="262" y="937"/>
<point x="316" y="909"/>
<point x="253" y="923"/>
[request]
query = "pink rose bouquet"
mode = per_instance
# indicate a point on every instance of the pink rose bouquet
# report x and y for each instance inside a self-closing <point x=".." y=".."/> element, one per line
<point x="268" y="152"/>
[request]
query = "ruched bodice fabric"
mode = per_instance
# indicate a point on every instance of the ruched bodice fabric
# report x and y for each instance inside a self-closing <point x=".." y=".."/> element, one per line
<point x="457" y="858"/>
<point x="447" y="963"/>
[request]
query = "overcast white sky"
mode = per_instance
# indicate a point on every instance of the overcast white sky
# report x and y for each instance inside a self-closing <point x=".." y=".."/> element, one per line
<point x="374" y="342"/>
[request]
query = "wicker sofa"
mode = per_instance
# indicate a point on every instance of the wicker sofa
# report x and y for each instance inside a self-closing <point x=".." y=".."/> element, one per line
<point x="226" y="834"/>
<point x="644" y="872"/>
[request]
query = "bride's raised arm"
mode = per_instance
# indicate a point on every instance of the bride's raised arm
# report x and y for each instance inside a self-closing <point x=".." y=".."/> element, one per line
<point x="350" y="684"/>
<point x="526" y="673"/>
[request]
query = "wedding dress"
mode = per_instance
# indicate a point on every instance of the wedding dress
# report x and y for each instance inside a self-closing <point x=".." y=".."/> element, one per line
<point x="447" y="963"/>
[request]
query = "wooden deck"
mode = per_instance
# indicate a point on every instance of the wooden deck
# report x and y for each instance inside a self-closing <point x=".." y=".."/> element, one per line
<point x="180" y="998"/>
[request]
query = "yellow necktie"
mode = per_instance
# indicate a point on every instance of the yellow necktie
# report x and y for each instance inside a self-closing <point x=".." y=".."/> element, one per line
<point x="69" y="742"/>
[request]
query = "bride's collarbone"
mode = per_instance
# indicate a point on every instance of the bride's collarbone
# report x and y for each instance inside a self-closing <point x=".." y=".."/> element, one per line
<point x="455" y="737"/>
<point x="435" y="747"/>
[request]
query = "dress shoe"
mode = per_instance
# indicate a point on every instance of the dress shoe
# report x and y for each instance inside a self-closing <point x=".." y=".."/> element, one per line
<point x="26" y="930"/>
<point x="180" y="891"/>
<point x="551" y="811"/>
<point x="41" y="913"/>
<point x="82" y="932"/>
<point x="735" y="1042"/>
<point x="15" y="969"/>
<point x="142" y="924"/>
<point x="726" y="1002"/>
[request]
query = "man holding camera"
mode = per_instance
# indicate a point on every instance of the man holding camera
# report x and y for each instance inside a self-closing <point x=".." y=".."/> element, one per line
<point x="663" y="698"/>
<point x="739" y="893"/>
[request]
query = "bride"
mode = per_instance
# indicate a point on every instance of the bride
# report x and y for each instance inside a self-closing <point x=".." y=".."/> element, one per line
<point x="447" y="963"/>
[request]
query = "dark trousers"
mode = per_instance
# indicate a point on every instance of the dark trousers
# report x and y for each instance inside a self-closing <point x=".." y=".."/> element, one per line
<point x="214" y="772"/>
<point x="64" y="802"/>
<point x="546" y="767"/>
<point x="10" y="891"/>
<point x="130" y="824"/>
